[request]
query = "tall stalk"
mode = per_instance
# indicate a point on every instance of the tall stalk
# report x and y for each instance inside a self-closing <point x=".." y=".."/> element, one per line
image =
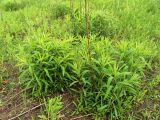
<point x="80" y="11"/>
<point x="71" y="7"/>
<point x="87" y="27"/>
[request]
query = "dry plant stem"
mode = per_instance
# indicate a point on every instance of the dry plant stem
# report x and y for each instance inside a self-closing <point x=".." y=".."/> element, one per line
<point x="76" y="118"/>
<point x="14" y="118"/>
<point x="64" y="108"/>
<point x="11" y="91"/>
<point x="15" y="95"/>
<point x="20" y="105"/>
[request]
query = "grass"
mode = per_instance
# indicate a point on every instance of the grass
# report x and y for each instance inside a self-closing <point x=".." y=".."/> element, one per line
<point x="13" y="5"/>
<point x="46" y="42"/>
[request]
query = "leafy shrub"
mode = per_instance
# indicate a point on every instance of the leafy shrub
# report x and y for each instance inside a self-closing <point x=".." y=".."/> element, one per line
<point x="104" y="25"/>
<point x="13" y="5"/>
<point x="45" y="66"/>
<point x="110" y="81"/>
<point x="101" y="25"/>
<point x="107" y="84"/>
<point x="138" y="57"/>
<point x="52" y="107"/>
<point x="60" y="11"/>
<point x="78" y="26"/>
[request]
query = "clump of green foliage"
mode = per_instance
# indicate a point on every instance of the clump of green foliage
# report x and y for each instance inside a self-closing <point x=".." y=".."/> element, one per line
<point x="78" y="26"/>
<point x="104" y="25"/>
<point x="100" y="25"/>
<point x="109" y="80"/>
<point x="45" y="65"/>
<point x="13" y="5"/>
<point x="52" y="107"/>
<point x="108" y="83"/>
<point x="61" y="10"/>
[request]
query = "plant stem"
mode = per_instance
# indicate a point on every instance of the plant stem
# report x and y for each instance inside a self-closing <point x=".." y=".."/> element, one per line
<point x="71" y="7"/>
<point x="14" y="118"/>
<point x="80" y="4"/>
<point x="87" y="28"/>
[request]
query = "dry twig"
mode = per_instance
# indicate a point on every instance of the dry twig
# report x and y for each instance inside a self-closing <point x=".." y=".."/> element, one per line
<point x="76" y="118"/>
<point x="13" y="118"/>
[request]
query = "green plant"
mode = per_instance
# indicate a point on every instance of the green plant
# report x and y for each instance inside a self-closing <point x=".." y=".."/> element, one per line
<point x="13" y="5"/>
<point x="78" y="26"/>
<point x="106" y="85"/>
<point x="111" y="82"/>
<point x="100" y="25"/>
<point x="61" y="10"/>
<point x="104" y="25"/>
<point x="45" y="65"/>
<point x="52" y="107"/>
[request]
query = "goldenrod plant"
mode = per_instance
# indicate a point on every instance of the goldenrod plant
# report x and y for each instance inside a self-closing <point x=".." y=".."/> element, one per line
<point x="105" y="54"/>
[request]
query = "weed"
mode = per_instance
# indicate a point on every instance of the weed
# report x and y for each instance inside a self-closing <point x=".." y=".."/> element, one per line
<point x="61" y="10"/>
<point x="48" y="40"/>
<point x="13" y="5"/>
<point x="103" y="25"/>
<point x="108" y="84"/>
<point x="47" y="65"/>
<point x="52" y="107"/>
